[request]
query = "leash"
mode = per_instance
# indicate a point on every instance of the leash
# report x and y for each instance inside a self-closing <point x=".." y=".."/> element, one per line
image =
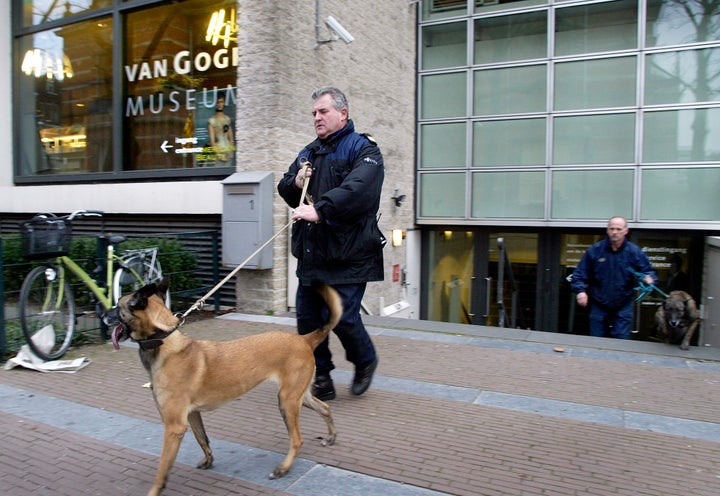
<point x="200" y="303"/>
<point x="644" y="288"/>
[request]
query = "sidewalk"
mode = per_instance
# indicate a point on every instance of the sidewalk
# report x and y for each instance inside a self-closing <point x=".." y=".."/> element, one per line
<point x="453" y="409"/>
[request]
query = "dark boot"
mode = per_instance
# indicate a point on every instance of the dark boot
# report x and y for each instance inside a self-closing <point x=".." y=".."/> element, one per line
<point x="323" y="388"/>
<point x="363" y="378"/>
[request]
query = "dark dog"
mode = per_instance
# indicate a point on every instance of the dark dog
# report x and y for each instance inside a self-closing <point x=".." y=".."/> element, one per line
<point x="189" y="376"/>
<point x="677" y="319"/>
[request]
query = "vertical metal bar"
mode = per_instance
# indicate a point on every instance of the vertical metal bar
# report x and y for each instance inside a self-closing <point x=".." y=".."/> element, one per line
<point x="216" y="268"/>
<point x="3" y="341"/>
<point x="500" y="282"/>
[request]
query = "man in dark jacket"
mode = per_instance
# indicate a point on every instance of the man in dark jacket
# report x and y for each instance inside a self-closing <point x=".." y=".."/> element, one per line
<point x="605" y="278"/>
<point x="335" y="238"/>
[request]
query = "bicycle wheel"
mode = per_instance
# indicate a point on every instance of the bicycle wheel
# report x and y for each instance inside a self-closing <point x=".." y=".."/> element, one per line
<point x="125" y="280"/>
<point x="47" y="312"/>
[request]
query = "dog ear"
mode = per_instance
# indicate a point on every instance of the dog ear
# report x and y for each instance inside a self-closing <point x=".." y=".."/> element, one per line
<point x="162" y="288"/>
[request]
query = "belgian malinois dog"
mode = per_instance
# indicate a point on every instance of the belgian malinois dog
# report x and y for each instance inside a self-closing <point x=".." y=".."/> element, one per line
<point x="677" y="319"/>
<point x="189" y="376"/>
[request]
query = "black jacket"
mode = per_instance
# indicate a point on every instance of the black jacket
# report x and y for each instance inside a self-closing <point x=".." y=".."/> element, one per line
<point x="346" y="245"/>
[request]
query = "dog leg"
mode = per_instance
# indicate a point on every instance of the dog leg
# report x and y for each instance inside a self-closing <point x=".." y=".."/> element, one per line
<point x="172" y="437"/>
<point x="198" y="429"/>
<point x="685" y="345"/>
<point x="289" y="403"/>
<point x="323" y="409"/>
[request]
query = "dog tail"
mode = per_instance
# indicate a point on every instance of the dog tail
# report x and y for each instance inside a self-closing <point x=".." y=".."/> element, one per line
<point x="334" y="303"/>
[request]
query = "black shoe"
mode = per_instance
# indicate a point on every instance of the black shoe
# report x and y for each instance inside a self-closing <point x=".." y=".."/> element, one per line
<point x="363" y="378"/>
<point x="323" y="388"/>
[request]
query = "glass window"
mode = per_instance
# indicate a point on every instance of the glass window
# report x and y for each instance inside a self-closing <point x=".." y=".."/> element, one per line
<point x="594" y="139"/>
<point x="509" y="195"/>
<point x="599" y="83"/>
<point x="673" y="22"/>
<point x="444" y="45"/>
<point x="509" y="91"/>
<point x="444" y="95"/>
<point x="599" y="27"/>
<point x="451" y="270"/>
<point x="41" y="11"/>
<point x="682" y="136"/>
<point x="492" y="5"/>
<point x="65" y="87"/>
<point x="592" y="194"/>
<point x="442" y="195"/>
<point x="686" y="76"/>
<point x="438" y="9"/>
<point x="180" y="89"/>
<point x="681" y="194"/>
<point x="514" y="37"/>
<point x="443" y="145"/>
<point x="509" y="143"/>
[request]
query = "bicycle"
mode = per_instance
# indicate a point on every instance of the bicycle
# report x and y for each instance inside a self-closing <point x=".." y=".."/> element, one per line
<point x="47" y="303"/>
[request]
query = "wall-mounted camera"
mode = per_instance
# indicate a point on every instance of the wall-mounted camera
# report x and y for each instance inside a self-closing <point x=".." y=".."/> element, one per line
<point x="339" y="30"/>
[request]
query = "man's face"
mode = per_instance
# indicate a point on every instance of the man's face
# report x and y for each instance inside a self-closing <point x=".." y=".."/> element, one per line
<point x="617" y="230"/>
<point x="326" y="117"/>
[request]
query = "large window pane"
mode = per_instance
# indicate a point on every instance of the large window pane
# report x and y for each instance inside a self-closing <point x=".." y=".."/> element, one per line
<point x="438" y="9"/>
<point x="443" y="95"/>
<point x="451" y="259"/>
<point x="509" y="195"/>
<point x="681" y="194"/>
<point x="509" y="143"/>
<point x="515" y="37"/>
<point x="442" y="195"/>
<point x="674" y="22"/>
<point x="444" y="45"/>
<point x="443" y="145"/>
<point x="40" y="11"/>
<point x="594" y="139"/>
<point x="686" y="76"/>
<point x="682" y="136"/>
<point x="592" y="194"/>
<point x="509" y="91"/>
<point x="176" y="72"/>
<point x="598" y="27"/>
<point x="600" y="83"/>
<point x="65" y="100"/>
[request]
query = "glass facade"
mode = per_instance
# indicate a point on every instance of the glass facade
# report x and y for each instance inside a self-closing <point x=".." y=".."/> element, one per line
<point x="109" y="91"/>
<point x="567" y="111"/>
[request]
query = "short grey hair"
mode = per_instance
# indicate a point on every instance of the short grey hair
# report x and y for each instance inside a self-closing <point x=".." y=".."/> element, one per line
<point x="339" y="99"/>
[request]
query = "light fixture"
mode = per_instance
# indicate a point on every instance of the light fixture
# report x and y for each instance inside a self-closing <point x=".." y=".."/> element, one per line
<point x="220" y="28"/>
<point x="38" y="62"/>
<point x="397" y="236"/>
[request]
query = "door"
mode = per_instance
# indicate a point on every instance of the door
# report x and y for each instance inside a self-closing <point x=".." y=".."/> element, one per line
<point x="710" y="327"/>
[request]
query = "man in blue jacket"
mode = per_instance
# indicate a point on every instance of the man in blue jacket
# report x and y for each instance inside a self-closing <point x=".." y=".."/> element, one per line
<point x="336" y="238"/>
<point x="605" y="278"/>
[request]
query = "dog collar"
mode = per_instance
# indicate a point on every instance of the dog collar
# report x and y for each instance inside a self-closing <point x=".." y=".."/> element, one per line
<point x="155" y="341"/>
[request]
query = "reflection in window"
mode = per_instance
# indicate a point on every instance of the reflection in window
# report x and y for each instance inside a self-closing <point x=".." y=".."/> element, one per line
<point x="594" y="139"/>
<point x="444" y="45"/>
<point x="435" y="199"/>
<point x="443" y="145"/>
<point x="516" y="37"/>
<point x="599" y="83"/>
<point x="490" y="198"/>
<point x="66" y="99"/>
<point x="509" y="143"/>
<point x="676" y="22"/>
<point x="41" y="11"/>
<point x="595" y="28"/>
<point x="694" y="194"/>
<point x="682" y="136"/>
<point x="687" y="76"/>
<point x="592" y="194"/>
<point x="510" y="90"/>
<point x="180" y="86"/>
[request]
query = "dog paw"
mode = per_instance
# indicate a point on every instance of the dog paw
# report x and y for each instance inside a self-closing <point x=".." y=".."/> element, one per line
<point x="326" y="441"/>
<point x="278" y="472"/>
<point x="205" y="463"/>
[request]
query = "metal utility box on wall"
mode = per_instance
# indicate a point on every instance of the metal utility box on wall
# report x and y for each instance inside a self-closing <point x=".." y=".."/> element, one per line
<point x="247" y="219"/>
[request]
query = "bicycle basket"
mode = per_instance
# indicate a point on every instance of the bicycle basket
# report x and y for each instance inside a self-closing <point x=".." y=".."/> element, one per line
<point x="45" y="237"/>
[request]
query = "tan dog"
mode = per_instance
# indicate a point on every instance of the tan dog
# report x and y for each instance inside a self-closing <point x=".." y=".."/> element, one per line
<point x="677" y="319"/>
<point x="189" y="376"/>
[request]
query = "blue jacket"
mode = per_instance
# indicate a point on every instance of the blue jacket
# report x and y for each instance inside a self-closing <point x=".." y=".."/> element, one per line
<point x="345" y="247"/>
<point x="605" y="276"/>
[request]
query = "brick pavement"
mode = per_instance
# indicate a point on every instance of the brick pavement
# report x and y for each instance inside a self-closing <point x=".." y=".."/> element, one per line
<point x="399" y="431"/>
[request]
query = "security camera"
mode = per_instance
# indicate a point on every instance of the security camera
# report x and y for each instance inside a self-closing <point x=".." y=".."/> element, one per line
<point x="339" y="30"/>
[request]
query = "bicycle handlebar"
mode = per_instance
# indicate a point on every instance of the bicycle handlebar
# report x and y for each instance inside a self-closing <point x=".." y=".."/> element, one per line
<point x="85" y="213"/>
